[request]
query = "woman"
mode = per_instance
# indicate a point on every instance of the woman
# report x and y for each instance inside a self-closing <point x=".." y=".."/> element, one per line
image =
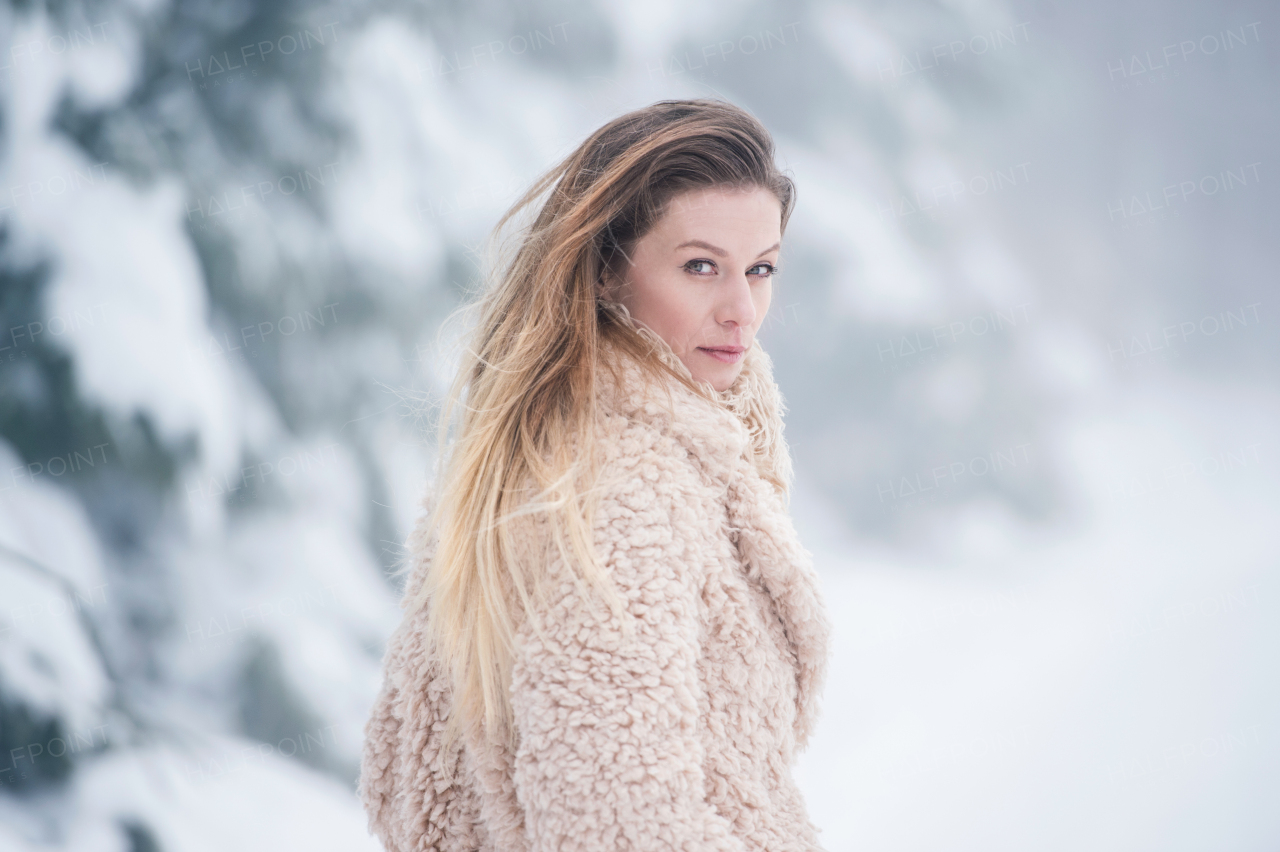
<point x="613" y="639"/>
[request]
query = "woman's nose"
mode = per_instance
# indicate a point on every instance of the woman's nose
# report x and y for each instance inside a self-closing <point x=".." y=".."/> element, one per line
<point x="737" y="306"/>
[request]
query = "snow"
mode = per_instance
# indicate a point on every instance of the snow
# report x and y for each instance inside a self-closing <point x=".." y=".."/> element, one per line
<point x="45" y="655"/>
<point x="224" y="794"/>
<point x="1120" y="694"/>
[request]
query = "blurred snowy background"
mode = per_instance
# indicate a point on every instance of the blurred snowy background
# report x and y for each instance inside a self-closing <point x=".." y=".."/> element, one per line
<point x="1026" y="328"/>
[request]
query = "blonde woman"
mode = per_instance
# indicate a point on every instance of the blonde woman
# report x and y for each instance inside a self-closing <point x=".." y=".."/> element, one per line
<point x="613" y="639"/>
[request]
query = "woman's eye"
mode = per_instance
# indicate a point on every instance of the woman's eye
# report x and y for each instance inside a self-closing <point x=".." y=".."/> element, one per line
<point x="706" y="267"/>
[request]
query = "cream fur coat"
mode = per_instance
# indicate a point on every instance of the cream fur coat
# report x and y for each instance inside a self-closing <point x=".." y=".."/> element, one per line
<point x="680" y="738"/>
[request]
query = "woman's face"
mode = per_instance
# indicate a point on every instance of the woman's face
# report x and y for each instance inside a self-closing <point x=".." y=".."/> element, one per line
<point x="700" y="279"/>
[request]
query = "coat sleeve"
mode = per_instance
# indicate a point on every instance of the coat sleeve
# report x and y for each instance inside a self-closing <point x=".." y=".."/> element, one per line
<point x="409" y="785"/>
<point x="609" y="753"/>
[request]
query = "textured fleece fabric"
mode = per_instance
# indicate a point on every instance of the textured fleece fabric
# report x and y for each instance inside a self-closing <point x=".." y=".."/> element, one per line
<point x="681" y="737"/>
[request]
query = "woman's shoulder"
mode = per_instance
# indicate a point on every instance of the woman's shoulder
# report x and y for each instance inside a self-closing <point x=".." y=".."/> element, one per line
<point x="656" y="508"/>
<point x="627" y="436"/>
<point x="638" y="454"/>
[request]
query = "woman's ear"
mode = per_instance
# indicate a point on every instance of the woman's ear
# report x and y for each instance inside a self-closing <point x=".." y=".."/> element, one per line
<point x="605" y="283"/>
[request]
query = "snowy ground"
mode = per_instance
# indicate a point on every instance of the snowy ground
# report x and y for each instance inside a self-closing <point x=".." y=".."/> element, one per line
<point x="1109" y="687"/>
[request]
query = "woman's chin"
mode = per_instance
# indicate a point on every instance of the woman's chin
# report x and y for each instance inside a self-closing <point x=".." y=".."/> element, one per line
<point x="720" y="379"/>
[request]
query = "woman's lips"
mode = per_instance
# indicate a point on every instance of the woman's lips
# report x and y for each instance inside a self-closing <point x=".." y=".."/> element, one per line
<point x="725" y="355"/>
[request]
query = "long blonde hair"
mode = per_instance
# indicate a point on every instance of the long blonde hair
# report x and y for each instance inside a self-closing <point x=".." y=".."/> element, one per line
<point x="526" y="385"/>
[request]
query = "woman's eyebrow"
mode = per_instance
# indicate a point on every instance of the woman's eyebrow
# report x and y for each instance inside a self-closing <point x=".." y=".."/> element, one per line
<point x="717" y="250"/>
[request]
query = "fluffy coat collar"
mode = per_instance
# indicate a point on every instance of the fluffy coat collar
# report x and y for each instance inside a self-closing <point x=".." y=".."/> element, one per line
<point x="736" y="440"/>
